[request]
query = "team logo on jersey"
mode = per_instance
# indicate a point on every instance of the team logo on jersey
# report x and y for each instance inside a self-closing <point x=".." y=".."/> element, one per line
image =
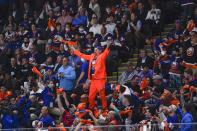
<point x="190" y="51"/>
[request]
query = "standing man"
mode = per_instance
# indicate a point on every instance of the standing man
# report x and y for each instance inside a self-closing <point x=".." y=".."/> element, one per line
<point x="67" y="76"/>
<point x="97" y="74"/>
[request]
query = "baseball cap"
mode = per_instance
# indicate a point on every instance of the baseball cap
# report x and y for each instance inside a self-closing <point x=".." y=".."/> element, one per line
<point x="99" y="47"/>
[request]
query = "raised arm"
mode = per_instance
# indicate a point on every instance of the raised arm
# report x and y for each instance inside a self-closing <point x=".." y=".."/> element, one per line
<point x="106" y="51"/>
<point x="84" y="56"/>
<point x="59" y="103"/>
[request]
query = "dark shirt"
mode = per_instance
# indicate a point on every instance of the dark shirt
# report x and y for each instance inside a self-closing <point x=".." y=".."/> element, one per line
<point x="190" y="53"/>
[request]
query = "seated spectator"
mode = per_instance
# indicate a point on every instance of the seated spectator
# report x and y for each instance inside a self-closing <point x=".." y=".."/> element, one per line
<point x="2" y="42"/>
<point x="58" y="64"/>
<point x="104" y="35"/>
<point x="45" y="119"/>
<point x="111" y="25"/>
<point x="34" y="34"/>
<point x="145" y="60"/>
<point x="127" y="75"/>
<point x="122" y="27"/>
<point x="26" y="46"/>
<point x="154" y="14"/>
<point x="95" y="7"/>
<point x="95" y="26"/>
<point x="80" y="18"/>
<point x="10" y="33"/>
<point x="152" y="20"/>
<point x="146" y="72"/>
<point x="190" y="52"/>
<point x="64" y="18"/>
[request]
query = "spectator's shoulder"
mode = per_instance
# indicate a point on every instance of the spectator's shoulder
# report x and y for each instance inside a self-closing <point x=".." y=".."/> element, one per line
<point x="70" y="67"/>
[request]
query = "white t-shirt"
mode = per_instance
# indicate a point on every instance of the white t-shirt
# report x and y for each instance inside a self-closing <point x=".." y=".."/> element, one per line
<point x="96" y="29"/>
<point x="28" y="48"/>
<point x="110" y="28"/>
<point x="154" y="14"/>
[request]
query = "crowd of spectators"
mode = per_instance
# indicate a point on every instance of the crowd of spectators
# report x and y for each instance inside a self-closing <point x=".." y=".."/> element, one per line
<point x="161" y="89"/>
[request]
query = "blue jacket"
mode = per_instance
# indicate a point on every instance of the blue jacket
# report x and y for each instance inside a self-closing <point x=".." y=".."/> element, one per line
<point x="81" y="20"/>
<point x="47" y="121"/>
<point x="187" y="118"/>
<point x="67" y="82"/>
<point x="7" y="122"/>
<point x="47" y="96"/>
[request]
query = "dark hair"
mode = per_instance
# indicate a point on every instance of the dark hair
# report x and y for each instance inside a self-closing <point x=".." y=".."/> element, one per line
<point x="128" y="97"/>
<point x="33" y="84"/>
<point x="58" y="24"/>
<point x="189" y="71"/>
<point x="143" y="50"/>
<point x="187" y="107"/>
<point x="122" y="89"/>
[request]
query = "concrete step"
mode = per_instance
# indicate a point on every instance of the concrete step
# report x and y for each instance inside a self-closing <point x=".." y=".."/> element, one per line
<point x="135" y="55"/>
<point x="134" y="62"/>
<point x="113" y="82"/>
<point x="167" y="29"/>
<point x="119" y="73"/>
<point x="170" y="25"/>
<point x="133" y="59"/>
<point x="164" y="33"/>
<point x="124" y="68"/>
<point x="112" y="78"/>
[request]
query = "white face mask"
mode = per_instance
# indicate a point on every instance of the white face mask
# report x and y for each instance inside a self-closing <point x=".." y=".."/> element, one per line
<point x="163" y="52"/>
<point x="82" y="60"/>
<point x="67" y="29"/>
<point x="50" y="85"/>
<point x="81" y="29"/>
<point x="108" y="10"/>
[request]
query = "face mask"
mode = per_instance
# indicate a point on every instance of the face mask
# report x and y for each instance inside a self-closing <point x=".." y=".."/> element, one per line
<point x="108" y="10"/>
<point x="50" y="85"/>
<point x="163" y="52"/>
<point x="67" y="29"/>
<point x="81" y="29"/>
<point x="82" y="60"/>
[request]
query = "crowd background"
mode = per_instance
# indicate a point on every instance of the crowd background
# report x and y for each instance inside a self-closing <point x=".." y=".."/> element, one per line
<point x="160" y="89"/>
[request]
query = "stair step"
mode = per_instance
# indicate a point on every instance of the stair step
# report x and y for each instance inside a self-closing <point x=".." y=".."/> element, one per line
<point x="119" y="73"/>
<point x="169" y="25"/>
<point x="164" y="33"/>
<point x="133" y="59"/>
<point x="112" y="82"/>
<point x="147" y="46"/>
<point x="135" y="55"/>
<point x="134" y="62"/>
<point x="114" y="76"/>
<point x="123" y="68"/>
<point x="167" y="29"/>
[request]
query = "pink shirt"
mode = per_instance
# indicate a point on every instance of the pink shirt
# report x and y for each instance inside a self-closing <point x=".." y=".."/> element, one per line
<point x="64" y="19"/>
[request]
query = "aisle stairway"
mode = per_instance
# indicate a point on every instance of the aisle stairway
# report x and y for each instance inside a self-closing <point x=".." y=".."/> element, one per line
<point x="123" y="66"/>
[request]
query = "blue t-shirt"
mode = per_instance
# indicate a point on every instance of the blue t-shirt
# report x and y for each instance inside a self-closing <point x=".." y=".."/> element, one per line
<point x="84" y="68"/>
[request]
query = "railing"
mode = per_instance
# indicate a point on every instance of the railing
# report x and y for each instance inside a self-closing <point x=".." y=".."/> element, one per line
<point x="135" y="127"/>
